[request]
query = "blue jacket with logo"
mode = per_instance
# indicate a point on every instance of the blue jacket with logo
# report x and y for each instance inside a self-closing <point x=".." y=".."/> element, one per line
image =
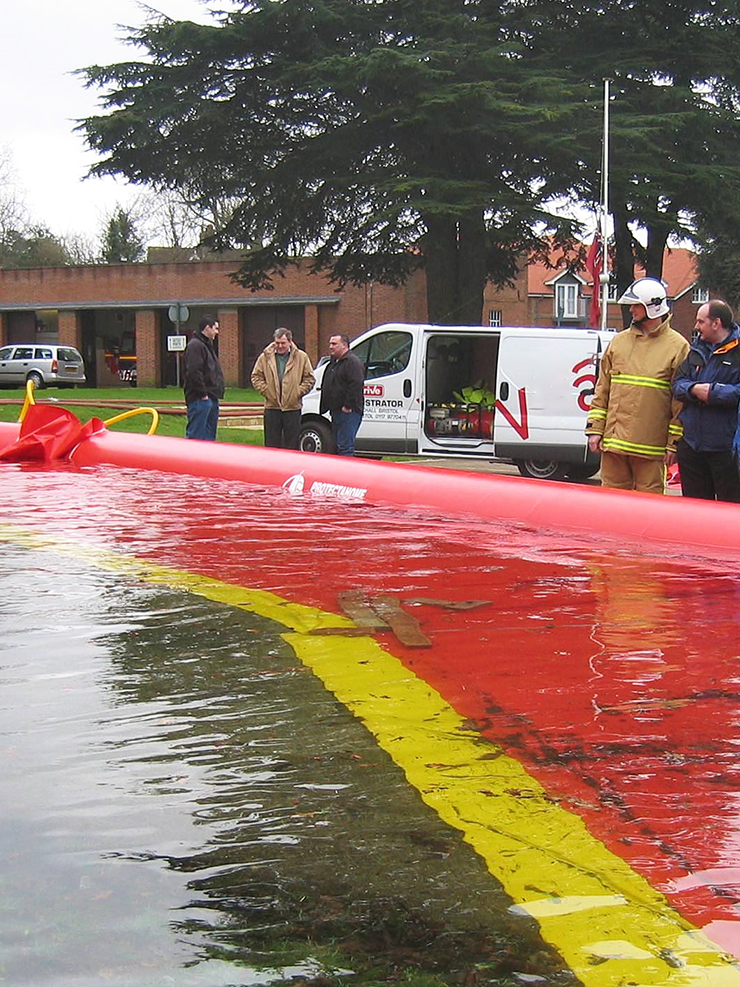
<point x="710" y="426"/>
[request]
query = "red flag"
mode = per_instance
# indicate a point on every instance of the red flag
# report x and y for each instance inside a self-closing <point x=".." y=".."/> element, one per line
<point x="594" y="266"/>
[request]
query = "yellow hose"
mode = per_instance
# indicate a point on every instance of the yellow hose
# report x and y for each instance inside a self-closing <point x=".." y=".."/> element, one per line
<point x="30" y="399"/>
<point x="30" y="387"/>
<point x="137" y="411"/>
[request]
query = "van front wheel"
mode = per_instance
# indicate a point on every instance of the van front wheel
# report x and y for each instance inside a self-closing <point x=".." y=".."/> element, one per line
<point x="316" y="437"/>
<point x="541" y="469"/>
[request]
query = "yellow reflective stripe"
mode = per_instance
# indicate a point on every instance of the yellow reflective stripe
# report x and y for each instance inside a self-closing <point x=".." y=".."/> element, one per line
<point x="634" y="447"/>
<point x="636" y="381"/>
<point x="597" y="413"/>
<point x="675" y="429"/>
<point x="608" y="923"/>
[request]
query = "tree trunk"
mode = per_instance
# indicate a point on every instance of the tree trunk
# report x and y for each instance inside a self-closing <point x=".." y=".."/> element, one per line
<point x="655" y="250"/>
<point x="454" y="252"/>
<point x="440" y="254"/>
<point x="624" y="256"/>
<point x="471" y="255"/>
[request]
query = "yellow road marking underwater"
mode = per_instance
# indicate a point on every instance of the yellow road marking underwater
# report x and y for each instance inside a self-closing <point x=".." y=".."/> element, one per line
<point x="612" y="928"/>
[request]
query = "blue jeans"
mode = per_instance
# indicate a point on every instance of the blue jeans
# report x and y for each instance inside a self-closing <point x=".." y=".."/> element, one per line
<point x="202" y="419"/>
<point x="344" y="425"/>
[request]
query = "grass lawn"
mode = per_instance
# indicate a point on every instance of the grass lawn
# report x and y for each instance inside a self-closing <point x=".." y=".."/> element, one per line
<point x="145" y="397"/>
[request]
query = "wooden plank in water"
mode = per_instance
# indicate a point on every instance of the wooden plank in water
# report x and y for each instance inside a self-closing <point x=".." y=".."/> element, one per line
<point x="355" y="605"/>
<point x="406" y="627"/>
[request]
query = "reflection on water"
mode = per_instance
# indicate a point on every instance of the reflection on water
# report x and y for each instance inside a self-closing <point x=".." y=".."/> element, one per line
<point x="184" y="804"/>
<point x="185" y="800"/>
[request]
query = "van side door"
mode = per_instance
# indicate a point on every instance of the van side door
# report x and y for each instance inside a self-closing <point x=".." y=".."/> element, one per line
<point x="545" y="381"/>
<point x="390" y="421"/>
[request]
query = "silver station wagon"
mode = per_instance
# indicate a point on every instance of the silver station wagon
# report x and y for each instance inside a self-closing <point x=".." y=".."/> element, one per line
<point x="44" y="364"/>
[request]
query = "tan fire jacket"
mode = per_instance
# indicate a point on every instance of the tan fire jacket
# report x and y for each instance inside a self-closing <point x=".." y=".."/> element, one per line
<point x="632" y="408"/>
<point x="298" y="378"/>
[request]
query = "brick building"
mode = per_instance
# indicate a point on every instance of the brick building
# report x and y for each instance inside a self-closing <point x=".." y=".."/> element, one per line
<point x="560" y="294"/>
<point x="123" y="308"/>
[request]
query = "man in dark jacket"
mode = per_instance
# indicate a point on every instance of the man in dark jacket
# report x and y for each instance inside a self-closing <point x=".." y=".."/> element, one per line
<point x="342" y="393"/>
<point x="203" y="381"/>
<point x="708" y="381"/>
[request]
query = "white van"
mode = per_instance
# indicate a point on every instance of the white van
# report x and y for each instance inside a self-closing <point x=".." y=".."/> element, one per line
<point x="520" y="394"/>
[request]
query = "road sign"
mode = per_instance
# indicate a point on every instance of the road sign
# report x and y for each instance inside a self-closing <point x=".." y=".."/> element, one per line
<point x="178" y="313"/>
<point x="176" y="344"/>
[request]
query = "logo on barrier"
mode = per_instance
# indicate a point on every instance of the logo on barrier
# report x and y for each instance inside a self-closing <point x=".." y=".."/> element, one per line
<point x="295" y="484"/>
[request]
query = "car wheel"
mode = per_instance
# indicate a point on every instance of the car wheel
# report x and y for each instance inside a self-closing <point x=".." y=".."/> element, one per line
<point x="38" y="380"/>
<point x="541" y="469"/>
<point x="316" y="437"/>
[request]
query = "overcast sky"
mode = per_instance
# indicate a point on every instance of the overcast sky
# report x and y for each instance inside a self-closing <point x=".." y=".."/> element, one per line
<point x="41" y="43"/>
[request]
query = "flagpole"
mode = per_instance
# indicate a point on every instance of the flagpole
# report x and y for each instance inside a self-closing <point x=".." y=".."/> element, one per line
<point x="604" y="286"/>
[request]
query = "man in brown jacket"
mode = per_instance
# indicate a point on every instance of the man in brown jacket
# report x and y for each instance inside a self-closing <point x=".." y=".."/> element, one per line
<point x="282" y="375"/>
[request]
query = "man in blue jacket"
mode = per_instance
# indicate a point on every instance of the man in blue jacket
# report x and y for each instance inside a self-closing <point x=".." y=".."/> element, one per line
<point x="708" y="382"/>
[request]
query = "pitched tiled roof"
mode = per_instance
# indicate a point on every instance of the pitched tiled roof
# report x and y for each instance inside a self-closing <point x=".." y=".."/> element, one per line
<point x="679" y="272"/>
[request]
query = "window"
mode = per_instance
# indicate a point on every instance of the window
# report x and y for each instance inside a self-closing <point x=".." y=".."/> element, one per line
<point x="566" y="301"/>
<point x="44" y="354"/>
<point x="495" y="317"/>
<point x="613" y="293"/>
<point x="5" y="352"/>
<point x="23" y="353"/>
<point x="700" y="296"/>
<point x="384" y="353"/>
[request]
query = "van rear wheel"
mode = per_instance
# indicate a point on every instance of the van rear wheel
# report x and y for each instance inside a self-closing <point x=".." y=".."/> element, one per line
<point x="541" y="469"/>
<point x="316" y="437"/>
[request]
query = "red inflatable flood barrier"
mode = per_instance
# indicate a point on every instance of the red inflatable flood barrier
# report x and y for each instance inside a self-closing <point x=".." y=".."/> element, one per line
<point x="698" y="527"/>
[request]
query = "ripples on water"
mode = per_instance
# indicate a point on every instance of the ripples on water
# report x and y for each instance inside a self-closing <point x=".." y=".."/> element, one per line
<point x="183" y="803"/>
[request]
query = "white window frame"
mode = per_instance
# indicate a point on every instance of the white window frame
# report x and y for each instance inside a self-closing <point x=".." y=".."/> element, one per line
<point x="567" y="296"/>
<point x="699" y="296"/>
<point x="495" y="318"/>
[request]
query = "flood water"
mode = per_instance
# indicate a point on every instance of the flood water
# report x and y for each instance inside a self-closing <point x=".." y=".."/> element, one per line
<point x="185" y="803"/>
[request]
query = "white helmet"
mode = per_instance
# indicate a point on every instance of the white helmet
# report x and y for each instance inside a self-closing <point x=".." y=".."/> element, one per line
<point x="648" y="292"/>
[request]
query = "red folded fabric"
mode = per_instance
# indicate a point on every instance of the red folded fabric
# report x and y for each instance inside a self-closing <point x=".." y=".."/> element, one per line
<point x="48" y="433"/>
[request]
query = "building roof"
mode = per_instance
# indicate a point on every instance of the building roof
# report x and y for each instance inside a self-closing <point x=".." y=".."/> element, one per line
<point x="679" y="272"/>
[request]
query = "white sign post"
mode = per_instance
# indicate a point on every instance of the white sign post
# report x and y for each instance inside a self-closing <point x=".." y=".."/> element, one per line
<point x="176" y="344"/>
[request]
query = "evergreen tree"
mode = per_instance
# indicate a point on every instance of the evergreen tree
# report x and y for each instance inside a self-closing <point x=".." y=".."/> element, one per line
<point x="374" y="137"/>
<point x="34" y="247"/>
<point x="121" y="242"/>
<point x="379" y="137"/>
<point x="674" y="67"/>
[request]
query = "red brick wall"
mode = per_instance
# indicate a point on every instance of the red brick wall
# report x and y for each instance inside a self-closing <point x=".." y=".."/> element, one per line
<point x="147" y="348"/>
<point x="512" y="302"/>
<point x="3" y="328"/>
<point x="311" y="329"/>
<point x="229" y="345"/>
<point x="154" y="287"/>
<point x="163" y="284"/>
<point x="70" y="329"/>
